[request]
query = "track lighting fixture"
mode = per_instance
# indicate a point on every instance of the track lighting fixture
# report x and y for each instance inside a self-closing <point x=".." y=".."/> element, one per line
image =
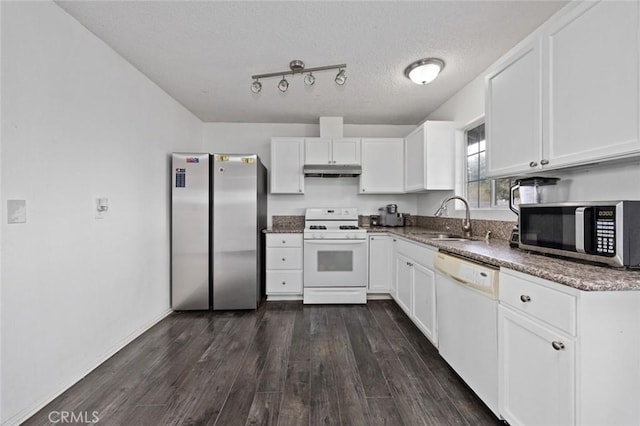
<point x="297" y="67"/>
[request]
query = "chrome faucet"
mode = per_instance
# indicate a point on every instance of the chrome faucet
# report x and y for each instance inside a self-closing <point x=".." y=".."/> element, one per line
<point x="466" y="223"/>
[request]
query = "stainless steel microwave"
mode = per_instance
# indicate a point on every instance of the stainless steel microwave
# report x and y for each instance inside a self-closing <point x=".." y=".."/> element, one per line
<point x="604" y="231"/>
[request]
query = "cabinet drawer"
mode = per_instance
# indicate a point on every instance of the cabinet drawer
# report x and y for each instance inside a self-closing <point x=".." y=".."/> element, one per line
<point x="284" y="240"/>
<point x="284" y="282"/>
<point x="284" y="258"/>
<point x="554" y="307"/>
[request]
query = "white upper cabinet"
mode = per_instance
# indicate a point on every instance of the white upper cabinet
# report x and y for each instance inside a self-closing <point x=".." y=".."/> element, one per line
<point x="569" y="97"/>
<point x="592" y="57"/>
<point x="317" y="151"/>
<point x="332" y="151"/>
<point x="513" y="113"/>
<point x="429" y="160"/>
<point x="287" y="159"/>
<point x="382" y="166"/>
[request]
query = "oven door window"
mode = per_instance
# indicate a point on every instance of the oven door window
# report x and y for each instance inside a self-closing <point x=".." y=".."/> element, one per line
<point x="335" y="261"/>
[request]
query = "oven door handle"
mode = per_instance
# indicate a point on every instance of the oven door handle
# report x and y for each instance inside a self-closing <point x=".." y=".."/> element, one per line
<point x="334" y="242"/>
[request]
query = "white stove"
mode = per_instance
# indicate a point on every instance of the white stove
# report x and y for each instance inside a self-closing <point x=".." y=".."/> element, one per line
<point x="335" y="257"/>
<point x="332" y="224"/>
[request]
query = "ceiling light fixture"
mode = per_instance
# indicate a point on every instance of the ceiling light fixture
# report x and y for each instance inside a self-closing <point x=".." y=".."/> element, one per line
<point x="424" y="71"/>
<point x="297" y="67"/>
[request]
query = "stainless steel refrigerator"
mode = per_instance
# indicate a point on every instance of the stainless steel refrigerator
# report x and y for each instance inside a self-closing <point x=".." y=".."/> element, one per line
<point x="219" y="209"/>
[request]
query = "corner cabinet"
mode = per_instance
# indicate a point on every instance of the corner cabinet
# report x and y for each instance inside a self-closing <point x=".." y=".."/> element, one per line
<point x="571" y="96"/>
<point x="382" y="166"/>
<point x="565" y="356"/>
<point x="429" y="158"/>
<point x="332" y="151"/>
<point x="287" y="160"/>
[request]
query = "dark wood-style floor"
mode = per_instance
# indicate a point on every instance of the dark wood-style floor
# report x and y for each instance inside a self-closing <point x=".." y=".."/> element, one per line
<point x="285" y="364"/>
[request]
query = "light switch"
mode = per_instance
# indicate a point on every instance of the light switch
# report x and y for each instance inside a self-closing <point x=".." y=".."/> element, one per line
<point x="102" y="206"/>
<point x="16" y="211"/>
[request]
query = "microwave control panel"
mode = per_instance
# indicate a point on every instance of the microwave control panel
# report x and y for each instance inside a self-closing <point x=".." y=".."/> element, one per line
<point x="605" y="231"/>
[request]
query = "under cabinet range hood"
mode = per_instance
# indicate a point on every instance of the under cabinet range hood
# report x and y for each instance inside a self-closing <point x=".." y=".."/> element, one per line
<point x="332" y="170"/>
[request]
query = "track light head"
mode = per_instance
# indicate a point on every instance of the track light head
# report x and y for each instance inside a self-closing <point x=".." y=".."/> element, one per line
<point x="341" y="78"/>
<point x="309" y="79"/>
<point x="256" y="86"/>
<point x="283" y="85"/>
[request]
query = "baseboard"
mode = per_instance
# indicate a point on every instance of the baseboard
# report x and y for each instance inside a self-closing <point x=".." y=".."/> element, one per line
<point x="30" y="411"/>
<point x="379" y="296"/>
<point x="283" y="297"/>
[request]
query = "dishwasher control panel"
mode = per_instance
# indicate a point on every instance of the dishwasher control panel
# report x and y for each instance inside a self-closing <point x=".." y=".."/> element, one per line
<point x="478" y="277"/>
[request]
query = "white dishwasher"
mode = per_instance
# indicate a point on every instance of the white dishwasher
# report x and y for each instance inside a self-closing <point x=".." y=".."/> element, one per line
<point x="467" y="313"/>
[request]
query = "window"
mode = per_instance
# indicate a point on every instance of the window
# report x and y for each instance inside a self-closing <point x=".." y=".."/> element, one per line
<point x="482" y="193"/>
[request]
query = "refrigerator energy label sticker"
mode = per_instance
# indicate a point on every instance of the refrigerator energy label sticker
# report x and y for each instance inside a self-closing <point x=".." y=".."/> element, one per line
<point x="181" y="175"/>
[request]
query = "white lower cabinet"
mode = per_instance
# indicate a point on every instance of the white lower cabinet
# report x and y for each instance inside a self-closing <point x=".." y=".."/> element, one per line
<point x="284" y="266"/>
<point x="404" y="280"/>
<point x="537" y="373"/>
<point x="380" y="264"/>
<point x="567" y="357"/>
<point x="424" y="300"/>
<point x="414" y="281"/>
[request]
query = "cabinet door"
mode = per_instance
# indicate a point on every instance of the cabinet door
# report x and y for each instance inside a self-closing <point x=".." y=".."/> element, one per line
<point x="513" y="115"/>
<point x="592" y="112"/>
<point x="346" y="151"/>
<point x="440" y="156"/>
<point x="404" y="279"/>
<point x="382" y="166"/>
<point x="380" y="263"/>
<point x="287" y="158"/>
<point x="424" y="298"/>
<point x="317" y="151"/>
<point x="414" y="157"/>
<point x="537" y="380"/>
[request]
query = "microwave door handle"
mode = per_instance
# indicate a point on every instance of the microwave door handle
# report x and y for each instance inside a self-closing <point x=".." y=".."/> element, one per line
<point x="580" y="229"/>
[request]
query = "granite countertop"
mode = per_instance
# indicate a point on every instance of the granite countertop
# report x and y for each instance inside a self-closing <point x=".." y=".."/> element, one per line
<point x="283" y="230"/>
<point x="576" y="274"/>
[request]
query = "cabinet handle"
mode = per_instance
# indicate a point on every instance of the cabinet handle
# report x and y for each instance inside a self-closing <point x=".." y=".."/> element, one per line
<point x="394" y="240"/>
<point x="558" y="346"/>
<point x="533" y="164"/>
<point x="372" y="238"/>
<point x="283" y="259"/>
<point x="524" y="298"/>
<point x="284" y="283"/>
<point x="284" y="241"/>
<point x="299" y="190"/>
<point x="364" y="190"/>
<point x="544" y="162"/>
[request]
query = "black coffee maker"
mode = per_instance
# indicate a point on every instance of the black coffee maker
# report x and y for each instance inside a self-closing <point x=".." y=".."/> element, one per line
<point x="528" y="192"/>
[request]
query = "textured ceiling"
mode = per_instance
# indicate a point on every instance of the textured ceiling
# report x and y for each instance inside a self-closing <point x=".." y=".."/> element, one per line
<point x="204" y="53"/>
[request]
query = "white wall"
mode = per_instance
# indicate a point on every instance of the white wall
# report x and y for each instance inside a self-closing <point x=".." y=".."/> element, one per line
<point x="245" y="138"/>
<point x="79" y="122"/>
